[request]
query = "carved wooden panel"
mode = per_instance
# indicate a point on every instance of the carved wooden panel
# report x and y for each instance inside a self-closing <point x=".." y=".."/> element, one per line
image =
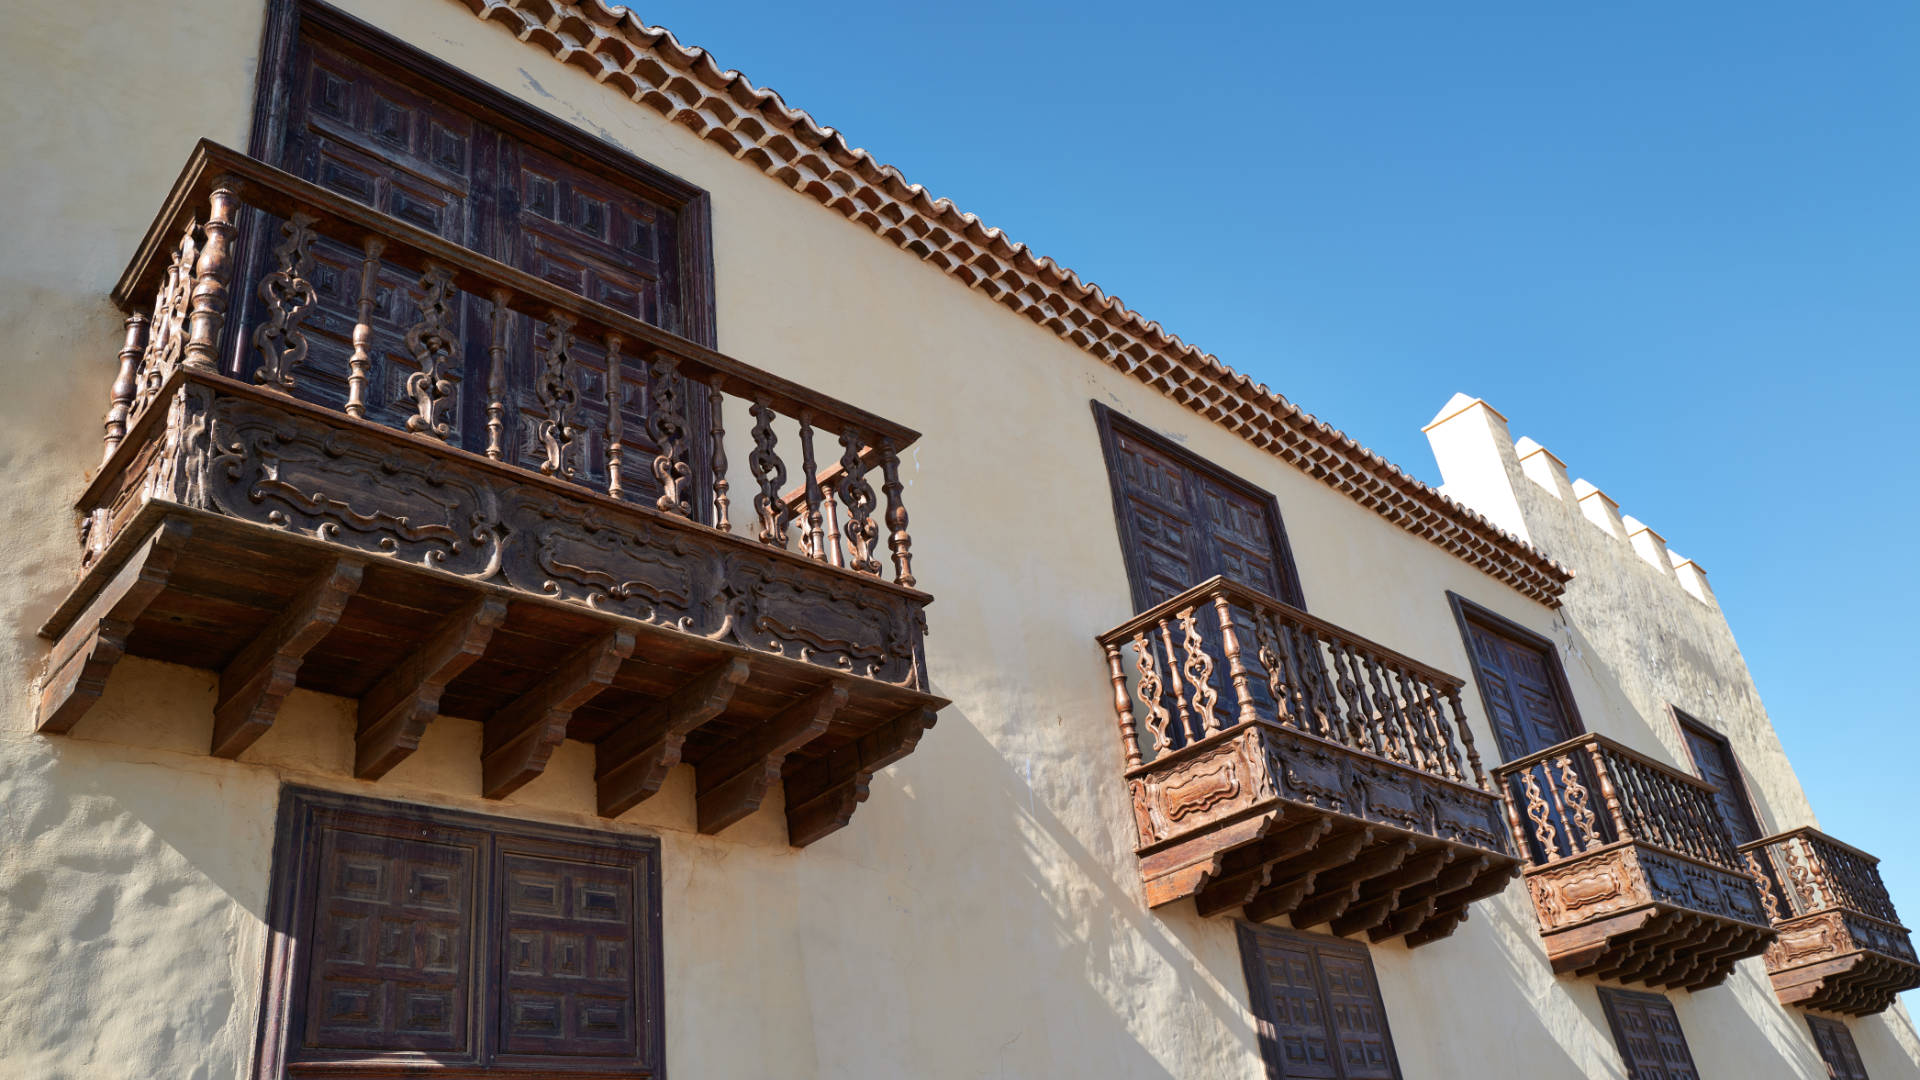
<point x="392" y="945"/>
<point x="1652" y="1046"/>
<point x="1316" y="1006"/>
<point x="1836" y="1047"/>
<point x="569" y="973"/>
<point x="1183" y="520"/>
<point x="257" y="462"/>
<point x="410" y="938"/>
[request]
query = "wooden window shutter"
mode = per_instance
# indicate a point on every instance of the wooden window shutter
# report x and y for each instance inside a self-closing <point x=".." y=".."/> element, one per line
<point x="1316" y="1006"/>
<point x="407" y="937"/>
<point x="1652" y="1046"/>
<point x="1183" y="520"/>
<point x="1520" y="679"/>
<point x="1837" y="1049"/>
<point x="1713" y="759"/>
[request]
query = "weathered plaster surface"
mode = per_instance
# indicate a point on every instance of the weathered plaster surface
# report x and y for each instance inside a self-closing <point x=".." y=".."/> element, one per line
<point x="980" y="918"/>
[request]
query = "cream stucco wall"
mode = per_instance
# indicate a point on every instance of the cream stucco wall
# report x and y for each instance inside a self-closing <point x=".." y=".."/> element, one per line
<point x="982" y="915"/>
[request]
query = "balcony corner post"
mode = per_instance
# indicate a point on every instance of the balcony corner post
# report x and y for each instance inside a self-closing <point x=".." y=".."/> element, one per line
<point x="210" y="278"/>
<point x="120" y="405"/>
<point x="1123" y="707"/>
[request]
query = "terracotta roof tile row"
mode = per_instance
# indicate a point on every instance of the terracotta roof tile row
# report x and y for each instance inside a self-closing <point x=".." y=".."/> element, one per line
<point x="755" y="125"/>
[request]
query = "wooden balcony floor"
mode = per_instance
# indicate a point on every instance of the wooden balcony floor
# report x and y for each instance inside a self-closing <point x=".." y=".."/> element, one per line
<point x="768" y="679"/>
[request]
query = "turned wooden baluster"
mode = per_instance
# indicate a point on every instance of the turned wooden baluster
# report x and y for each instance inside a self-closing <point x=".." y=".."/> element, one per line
<point x="770" y="473"/>
<point x="1393" y="729"/>
<point x="1541" y="813"/>
<point x="667" y="422"/>
<point x="497" y="322"/>
<point x="1609" y="793"/>
<point x="898" y="541"/>
<point x="1123" y="706"/>
<point x="125" y="383"/>
<point x="360" y="364"/>
<point x="1174" y="683"/>
<point x="616" y="418"/>
<point x="828" y="531"/>
<point x="210" y="276"/>
<point x="812" y="540"/>
<point x="288" y="292"/>
<point x="1515" y="827"/>
<point x="1817" y="870"/>
<point x="1459" y="726"/>
<point x="1236" y="664"/>
<point x="1158" y="718"/>
<point x="716" y="401"/>
<point x="858" y="497"/>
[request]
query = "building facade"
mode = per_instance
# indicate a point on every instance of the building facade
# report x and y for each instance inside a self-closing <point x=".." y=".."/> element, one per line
<point x="583" y="572"/>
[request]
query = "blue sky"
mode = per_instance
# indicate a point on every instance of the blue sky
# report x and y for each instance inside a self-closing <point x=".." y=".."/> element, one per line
<point x="1678" y="244"/>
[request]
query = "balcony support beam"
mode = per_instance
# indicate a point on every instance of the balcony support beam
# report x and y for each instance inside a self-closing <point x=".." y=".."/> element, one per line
<point x="734" y="781"/>
<point x="822" y="795"/>
<point x="1246" y="871"/>
<point x="631" y="763"/>
<point x="395" y="713"/>
<point x="94" y="642"/>
<point x="520" y="737"/>
<point x="256" y="682"/>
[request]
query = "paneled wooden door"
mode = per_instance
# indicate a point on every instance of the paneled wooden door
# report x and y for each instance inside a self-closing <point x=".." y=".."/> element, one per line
<point x="1183" y="520"/>
<point x="1713" y="758"/>
<point x="364" y="117"/>
<point x="1519" y="678"/>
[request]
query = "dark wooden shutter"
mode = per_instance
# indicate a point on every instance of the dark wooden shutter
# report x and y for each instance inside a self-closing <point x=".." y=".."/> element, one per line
<point x="1520" y="680"/>
<point x="1837" y="1049"/>
<point x="1648" y="1034"/>
<point x="1317" y="1007"/>
<point x="408" y="936"/>
<point x="1183" y="520"/>
<point x="1713" y="758"/>
<point x="364" y="116"/>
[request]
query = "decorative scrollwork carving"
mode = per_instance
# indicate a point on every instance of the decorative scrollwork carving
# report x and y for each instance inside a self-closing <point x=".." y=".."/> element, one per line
<point x="434" y="346"/>
<point x="667" y="423"/>
<point x="1575" y="795"/>
<point x="167" y="334"/>
<point x="1765" y="885"/>
<point x="1199" y="672"/>
<point x="770" y="473"/>
<point x="557" y="389"/>
<point x="859" y="499"/>
<point x="289" y="293"/>
<point x="1158" y="718"/>
<point x="1540" y="812"/>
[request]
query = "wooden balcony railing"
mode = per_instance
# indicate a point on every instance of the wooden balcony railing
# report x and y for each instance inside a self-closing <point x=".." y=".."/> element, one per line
<point x="1632" y="872"/>
<point x="1842" y="947"/>
<point x="1282" y="765"/>
<point x="549" y="471"/>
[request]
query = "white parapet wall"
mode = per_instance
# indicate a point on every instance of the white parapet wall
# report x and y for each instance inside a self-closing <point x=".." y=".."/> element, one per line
<point x="1638" y="615"/>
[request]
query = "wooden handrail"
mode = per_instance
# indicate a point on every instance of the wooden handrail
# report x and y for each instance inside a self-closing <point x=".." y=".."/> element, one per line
<point x="1254" y="596"/>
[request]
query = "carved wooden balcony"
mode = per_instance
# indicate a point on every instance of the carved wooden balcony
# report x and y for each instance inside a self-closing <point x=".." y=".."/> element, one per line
<point x="1283" y="766"/>
<point x="1842" y="948"/>
<point x="476" y="528"/>
<point x="1633" y="875"/>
